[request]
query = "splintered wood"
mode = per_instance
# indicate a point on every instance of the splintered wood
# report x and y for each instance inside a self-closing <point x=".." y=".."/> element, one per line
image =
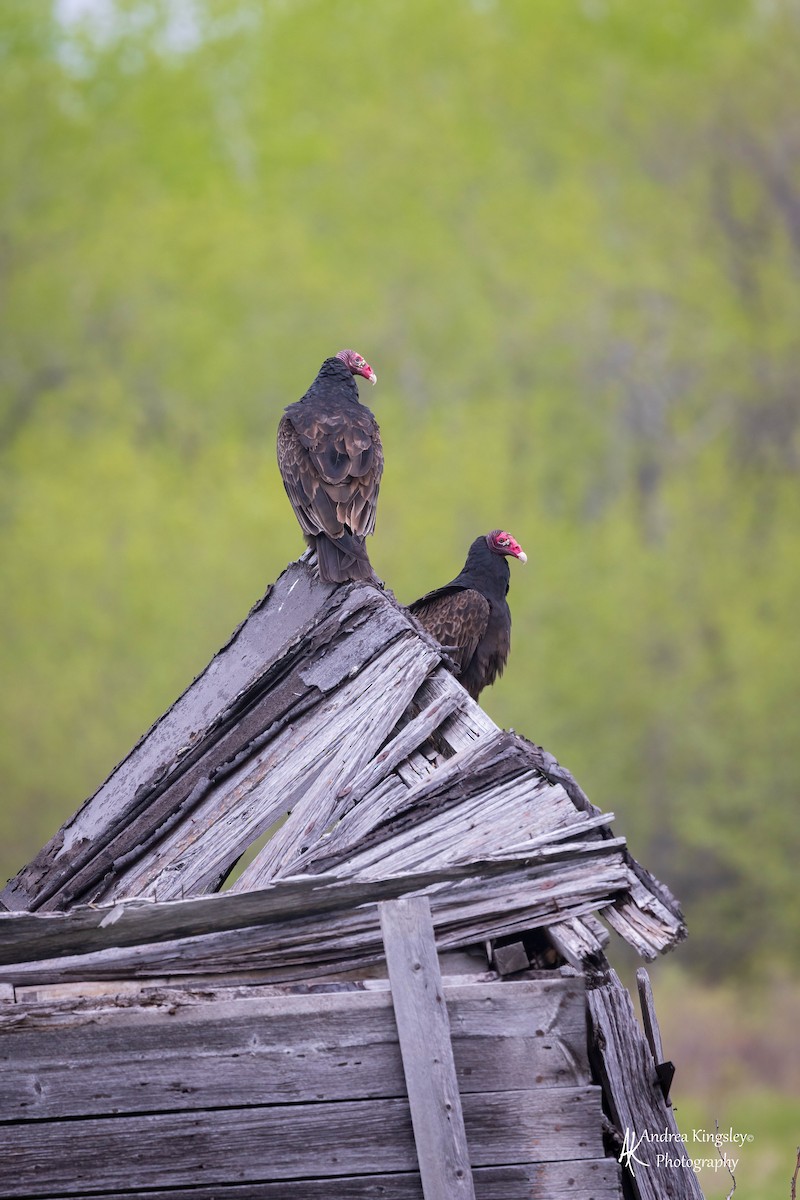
<point x="644" y="1122"/>
<point x="306" y="927"/>
<point x="331" y="710"/>
<point x="398" y="820"/>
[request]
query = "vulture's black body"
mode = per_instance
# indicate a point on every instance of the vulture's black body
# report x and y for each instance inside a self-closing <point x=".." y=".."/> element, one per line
<point x="470" y="617"/>
<point x="331" y="459"/>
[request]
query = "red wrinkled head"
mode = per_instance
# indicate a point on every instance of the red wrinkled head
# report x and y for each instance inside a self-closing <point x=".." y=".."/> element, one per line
<point x="357" y="364"/>
<point x="500" y="542"/>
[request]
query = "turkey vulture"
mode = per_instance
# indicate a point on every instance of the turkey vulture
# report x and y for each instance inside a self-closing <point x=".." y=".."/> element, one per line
<point x="330" y="458"/>
<point x="470" y="616"/>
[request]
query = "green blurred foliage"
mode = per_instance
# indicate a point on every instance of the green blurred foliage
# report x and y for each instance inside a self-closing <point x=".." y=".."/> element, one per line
<point x="567" y="236"/>
<point x="738" y="1063"/>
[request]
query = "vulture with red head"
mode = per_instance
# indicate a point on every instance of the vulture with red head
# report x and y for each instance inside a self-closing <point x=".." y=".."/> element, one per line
<point x="330" y="459"/>
<point x="470" y="616"/>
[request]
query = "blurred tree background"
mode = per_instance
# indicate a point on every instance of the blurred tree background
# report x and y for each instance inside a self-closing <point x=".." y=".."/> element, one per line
<point x="567" y="236"/>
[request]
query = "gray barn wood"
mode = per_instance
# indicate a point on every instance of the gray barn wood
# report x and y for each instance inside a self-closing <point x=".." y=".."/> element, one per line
<point x="331" y="719"/>
<point x="169" y="1055"/>
<point x="428" y="1064"/>
<point x="627" y="1069"/>
<point x="255" y="645"/>
<point x="210" y="776"/>
<point x="507" y="900"/>
<point x="594" y="1179"/>
<point x="234" y="1145"/>
<point x="520" y="1051"/>
<point x="35" y="936"/>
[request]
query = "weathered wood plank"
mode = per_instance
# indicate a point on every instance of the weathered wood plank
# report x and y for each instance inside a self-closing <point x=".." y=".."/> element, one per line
<point x="652" y="1029"/>
<point x="271" y="625"/>
<point x="480" y="802"/>
<point x="460" y="967"/>
<point x="626" y="1068"/>
<point x="489" y="899"/>
<point x="428" y="1065"/>
<point x="210" y="1075"/>
<point x="409" y="738"/>
<point x="182" y="805"/>
<point x="27" y="936"/>
<point x="347" y="733"/>
<point x="339" y="731"/>
<point x="474" y="1004"/>
<point x="281" y="703"/>
<point x="580" y="940"/>
<point x="591" y="1179"/>
<point x="511" y="958"/>
<point x="466" y="726"/>
<point x="76" y="1157"/>
<point x="642" y="918"/>
<point x="161" y="1055"/>
<point x="331" y="643"/>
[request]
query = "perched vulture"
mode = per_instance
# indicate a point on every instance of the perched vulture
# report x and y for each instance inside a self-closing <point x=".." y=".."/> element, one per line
<point x="470" y="616"/>
<point x="330" y="458"/>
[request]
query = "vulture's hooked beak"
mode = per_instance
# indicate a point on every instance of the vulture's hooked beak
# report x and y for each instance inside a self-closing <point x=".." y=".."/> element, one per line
<point x="522" y="556"/>
<point x="372" y="377"/>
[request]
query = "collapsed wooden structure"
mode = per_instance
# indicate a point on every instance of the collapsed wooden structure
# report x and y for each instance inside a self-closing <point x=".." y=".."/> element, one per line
<point x="197" y="1042"/>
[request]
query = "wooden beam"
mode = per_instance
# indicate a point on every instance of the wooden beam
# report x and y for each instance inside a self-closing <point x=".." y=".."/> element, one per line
<point x="83" y="1156"/>
<point x="171" y="1052"/>
<point x="665" y="1071"/>
<point x="399" y="748"/>
<point x="580" y="940"/>
<point x="303" y="914"/>
<point x="426" y="1049"/>
<point x="625" y="1065"/>
<point x="511" y="958"/>
<point x="652" y="1029"/>
<point x="597" y="1178"/>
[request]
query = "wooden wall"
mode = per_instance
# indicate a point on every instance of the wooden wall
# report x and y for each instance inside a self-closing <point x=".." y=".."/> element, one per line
<point x="252" y="1093"/>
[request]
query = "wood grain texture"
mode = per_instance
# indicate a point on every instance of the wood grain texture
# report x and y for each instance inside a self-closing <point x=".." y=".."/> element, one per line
<point x="331" y="702"/>
<point x="428" y="1066"/>
<point x="345" y="735"/>
<point x="590" y="1179"/>
<point x="652" y="1029"/>
<point x="35" y="936"/>
<point x="480" y="900"/>
<point x="410" y="737"/>
<point x="164" y="1055"/>
<point x="39" y="1158"/>
<point x="580" y="940"/>
<point x="341" y="645"/>
<point x="335" y="635"/>
<point x="272" y="624"/>
<point x="340" y="731"/>
<point x="626" y="1068"/>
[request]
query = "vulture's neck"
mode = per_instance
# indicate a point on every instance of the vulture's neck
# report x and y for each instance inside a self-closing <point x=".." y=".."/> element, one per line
<point x="487" y="572"/>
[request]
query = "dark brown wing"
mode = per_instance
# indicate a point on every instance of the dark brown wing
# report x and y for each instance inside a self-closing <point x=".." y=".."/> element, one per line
<point x="490" y="657"/>
<point x="331" y="464"/>
<point x="457" y="619"/>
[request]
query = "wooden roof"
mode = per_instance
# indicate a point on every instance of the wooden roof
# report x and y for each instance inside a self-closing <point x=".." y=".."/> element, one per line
<point x="332" y="705"/>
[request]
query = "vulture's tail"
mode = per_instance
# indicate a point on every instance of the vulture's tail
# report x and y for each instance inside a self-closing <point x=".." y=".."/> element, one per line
<point x="343" y="559"/>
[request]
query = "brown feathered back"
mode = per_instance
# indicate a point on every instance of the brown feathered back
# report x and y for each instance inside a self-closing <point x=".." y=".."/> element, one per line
<point x="470" y="617"/>
<point x="331" y="460"/>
